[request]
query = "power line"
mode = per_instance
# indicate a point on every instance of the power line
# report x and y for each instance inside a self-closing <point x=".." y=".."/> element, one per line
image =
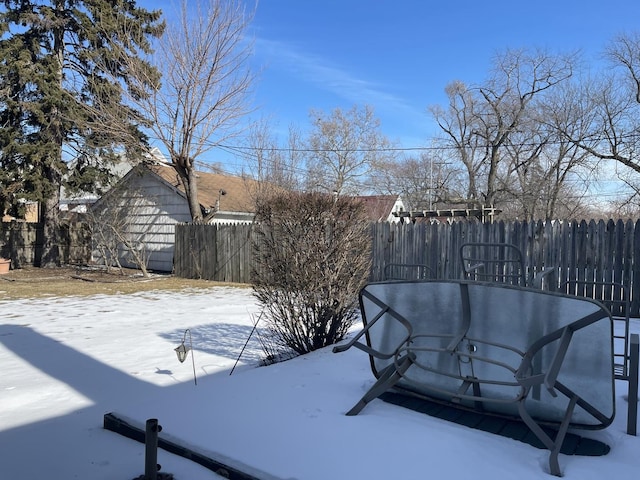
<point x="262" y="154"/>
<point x="244" y="148"/>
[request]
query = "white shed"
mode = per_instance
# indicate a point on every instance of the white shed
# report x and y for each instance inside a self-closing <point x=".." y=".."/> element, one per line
<point x="139" y="214"/>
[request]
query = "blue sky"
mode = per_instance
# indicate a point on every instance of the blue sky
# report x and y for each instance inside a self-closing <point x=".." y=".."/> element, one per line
<point x="398" y="56"/>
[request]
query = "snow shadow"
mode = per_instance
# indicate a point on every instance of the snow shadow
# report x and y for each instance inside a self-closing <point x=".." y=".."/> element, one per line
<point x="81" y="372"/>
<point x="105" y="388"/>
<point x="223" y="339"/>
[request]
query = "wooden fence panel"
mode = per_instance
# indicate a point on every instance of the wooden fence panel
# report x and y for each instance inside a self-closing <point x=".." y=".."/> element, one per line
<point x="22" y="243"/>
<point x="635" y="270"/>
<point x="587" y="251"/>
<point x="432" y="248"/>
<point x="581" y="250"/>
<point x="450" y="246"/>
<point x="591" y="251"/>
<point x="213" y="252"/>
<point x="609" y="251"/>
<point x="628" y="253"/>
<point x="618" y="253"/>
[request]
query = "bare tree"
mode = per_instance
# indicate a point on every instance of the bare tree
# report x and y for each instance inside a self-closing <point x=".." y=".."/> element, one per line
<point x="568" y="169"/>
<point x="423" y="181"/>
<point x="520" y="77"/>
<point x="481" y="120"/>
<point x="342" y="147"/>
<point x="460" y="142"/>
<point x="523" y="171"/>
<point x="271" y="164"/>
<point x="206" y="80"/>
<point x="624" y="51"/>
<point x="626" y="205"/>
<point x="614" y="102"/>
<point x="114" y="236"/>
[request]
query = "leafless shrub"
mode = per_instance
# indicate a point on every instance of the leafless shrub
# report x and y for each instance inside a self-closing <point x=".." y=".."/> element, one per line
<point x="312" y="258"/>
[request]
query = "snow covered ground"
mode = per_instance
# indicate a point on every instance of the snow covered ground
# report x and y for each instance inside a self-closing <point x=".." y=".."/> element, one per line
<point x="68" y="361"/>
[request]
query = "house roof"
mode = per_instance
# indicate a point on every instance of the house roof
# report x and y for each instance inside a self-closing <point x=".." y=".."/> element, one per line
<point x="236" y="194"/>
<point x="379" y="207"/>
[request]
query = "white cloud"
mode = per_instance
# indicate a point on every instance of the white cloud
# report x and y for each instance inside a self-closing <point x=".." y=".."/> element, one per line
<point x="321" y="73"/>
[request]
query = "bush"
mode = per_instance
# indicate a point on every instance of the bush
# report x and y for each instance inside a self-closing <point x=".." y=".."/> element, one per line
<point x="312" y="258"/>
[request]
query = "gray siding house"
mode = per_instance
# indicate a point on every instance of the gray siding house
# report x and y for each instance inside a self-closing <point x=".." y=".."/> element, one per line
<point x="137" y="217"/>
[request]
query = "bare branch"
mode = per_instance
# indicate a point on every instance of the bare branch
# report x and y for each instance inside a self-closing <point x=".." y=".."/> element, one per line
<point x="206" y="82"/>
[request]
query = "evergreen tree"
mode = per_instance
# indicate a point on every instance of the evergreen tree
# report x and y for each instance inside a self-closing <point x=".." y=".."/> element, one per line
<point x="64" y="65"/>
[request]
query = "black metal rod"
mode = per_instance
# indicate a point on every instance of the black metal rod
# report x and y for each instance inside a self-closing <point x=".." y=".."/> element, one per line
<point x="634" y="360"/>
<point x="151" y="449"/>
<point x="255" y="325"/>
<point x="193" y="358"/>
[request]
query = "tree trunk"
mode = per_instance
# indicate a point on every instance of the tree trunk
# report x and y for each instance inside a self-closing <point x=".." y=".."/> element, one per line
<point x="51" y="165"/>
<point x="51" y="225"/>
<point x="192" y="196"/>
<point x="189" y="180"/>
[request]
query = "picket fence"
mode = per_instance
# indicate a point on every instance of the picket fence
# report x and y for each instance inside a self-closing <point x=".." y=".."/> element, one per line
<point x="598" y="251"/>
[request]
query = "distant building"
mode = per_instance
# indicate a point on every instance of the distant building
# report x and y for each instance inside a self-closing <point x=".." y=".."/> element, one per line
<point x="80" y="202"/>
<point x="31" y="213"/>
<point x="381" y="208"/>
<point x="150" y="200"/>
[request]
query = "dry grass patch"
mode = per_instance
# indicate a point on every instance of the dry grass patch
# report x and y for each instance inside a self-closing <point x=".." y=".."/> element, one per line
<point x="65" y="281"/>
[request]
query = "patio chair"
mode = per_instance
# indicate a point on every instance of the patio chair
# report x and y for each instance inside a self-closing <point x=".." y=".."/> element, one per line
<point x="407" y="271"/>
<point x="500" y="263"/>
<point x="615" y="297"/>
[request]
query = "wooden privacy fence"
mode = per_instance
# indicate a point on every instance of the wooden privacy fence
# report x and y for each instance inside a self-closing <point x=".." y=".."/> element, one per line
<point x="584" y="251"/>
<point x="219" y="252"/>
<point x="22" y="243"/>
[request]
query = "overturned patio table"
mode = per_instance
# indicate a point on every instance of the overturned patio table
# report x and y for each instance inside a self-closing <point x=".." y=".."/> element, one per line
<point x="544" y="358"/>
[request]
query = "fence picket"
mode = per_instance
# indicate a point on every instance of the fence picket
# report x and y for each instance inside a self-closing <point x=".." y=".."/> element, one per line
<point x="599" y="251"/>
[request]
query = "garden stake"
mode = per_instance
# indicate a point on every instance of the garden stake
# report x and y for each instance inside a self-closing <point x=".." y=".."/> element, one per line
<point x="255" y="325"/>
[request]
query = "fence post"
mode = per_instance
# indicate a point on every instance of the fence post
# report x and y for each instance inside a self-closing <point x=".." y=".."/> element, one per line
<point x="632" y="412"/>
<point x="151" y="466"/>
